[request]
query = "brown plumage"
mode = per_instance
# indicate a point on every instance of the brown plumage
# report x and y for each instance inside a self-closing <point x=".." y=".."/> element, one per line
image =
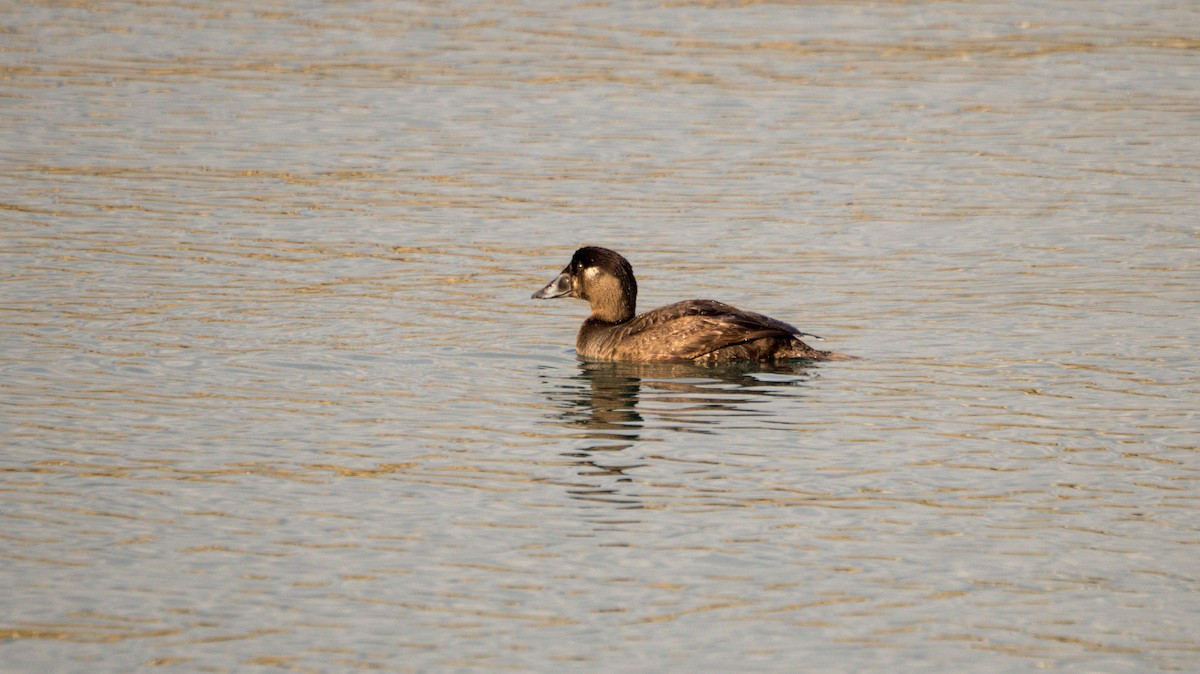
<point x="702" y="331"/>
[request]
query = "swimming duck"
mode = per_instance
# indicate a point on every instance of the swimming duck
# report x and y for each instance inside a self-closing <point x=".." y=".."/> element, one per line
<point x="701" y="331"/>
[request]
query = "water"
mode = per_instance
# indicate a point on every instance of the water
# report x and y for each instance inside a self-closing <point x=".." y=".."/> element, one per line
<point x="275" y="397"/>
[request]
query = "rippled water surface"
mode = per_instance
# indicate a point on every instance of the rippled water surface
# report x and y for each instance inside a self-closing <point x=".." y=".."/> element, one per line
<point x="274" y="395"/>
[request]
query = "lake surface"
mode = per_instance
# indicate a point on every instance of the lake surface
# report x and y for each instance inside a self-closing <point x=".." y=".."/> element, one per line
<point x="274" y="396"/>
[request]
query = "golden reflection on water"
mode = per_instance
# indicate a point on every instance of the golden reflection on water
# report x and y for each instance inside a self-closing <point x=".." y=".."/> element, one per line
<point x="271" y="381"/>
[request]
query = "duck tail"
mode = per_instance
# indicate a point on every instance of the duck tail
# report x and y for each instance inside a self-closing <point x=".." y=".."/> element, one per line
<point x="833" y="355"/>
<point x="801" y="350"/>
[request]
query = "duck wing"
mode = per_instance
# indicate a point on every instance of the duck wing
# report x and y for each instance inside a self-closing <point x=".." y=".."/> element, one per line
<point x="692" y="329"/>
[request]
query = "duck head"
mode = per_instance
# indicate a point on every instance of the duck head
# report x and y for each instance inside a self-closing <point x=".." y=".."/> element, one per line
<point x="601" y="277"/>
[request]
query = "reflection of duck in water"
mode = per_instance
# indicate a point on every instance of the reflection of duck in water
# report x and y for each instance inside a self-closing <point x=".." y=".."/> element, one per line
<point x="605" y="407"/>
<point x="690" y="396"/>
<point x="615" y="403"/>
<point x="700" y="331"/>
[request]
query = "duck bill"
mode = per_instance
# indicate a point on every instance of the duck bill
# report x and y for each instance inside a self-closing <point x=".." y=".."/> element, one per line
<point x="559" y="287"/>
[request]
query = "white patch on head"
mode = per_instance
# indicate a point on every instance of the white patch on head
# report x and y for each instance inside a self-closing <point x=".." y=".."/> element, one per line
<point x="591" y="273"/>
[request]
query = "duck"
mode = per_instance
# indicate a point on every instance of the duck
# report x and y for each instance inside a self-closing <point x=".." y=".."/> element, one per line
<point x="697" y="331"/>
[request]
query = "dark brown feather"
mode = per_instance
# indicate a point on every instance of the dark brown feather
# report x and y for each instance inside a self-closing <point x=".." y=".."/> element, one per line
<point x="697" y="330"/>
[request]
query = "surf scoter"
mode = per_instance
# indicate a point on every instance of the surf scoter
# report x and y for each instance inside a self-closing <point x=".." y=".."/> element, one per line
<point x="701" y="331"/>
